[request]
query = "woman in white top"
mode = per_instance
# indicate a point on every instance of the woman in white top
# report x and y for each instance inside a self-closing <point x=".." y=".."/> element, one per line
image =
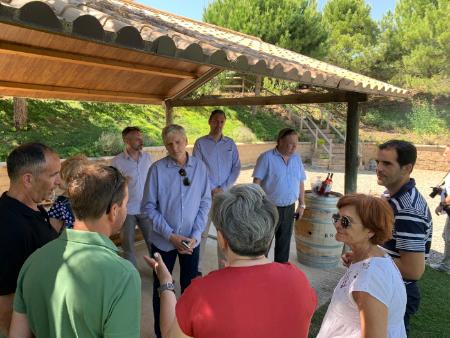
<point x="370" y="299"/>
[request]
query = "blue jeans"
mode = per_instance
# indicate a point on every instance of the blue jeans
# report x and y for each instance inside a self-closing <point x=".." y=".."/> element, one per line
<point x="188" y="271"/>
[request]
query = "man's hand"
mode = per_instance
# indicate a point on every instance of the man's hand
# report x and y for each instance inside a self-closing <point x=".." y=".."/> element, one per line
<point x="177" y="241"/>
<point x="160" y="268"/>
<point x="300" y="210"/>
<point x="439" y="209"/>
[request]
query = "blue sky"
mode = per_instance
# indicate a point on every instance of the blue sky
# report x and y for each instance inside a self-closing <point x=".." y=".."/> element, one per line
<point x="194" y="8"/>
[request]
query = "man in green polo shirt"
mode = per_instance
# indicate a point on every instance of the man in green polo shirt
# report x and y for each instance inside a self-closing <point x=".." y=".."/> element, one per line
<point x="77" y="285"/>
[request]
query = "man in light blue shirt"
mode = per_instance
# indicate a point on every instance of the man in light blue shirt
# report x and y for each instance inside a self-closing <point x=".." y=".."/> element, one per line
<point x="221" y="157"/>
<point x="134" y="164"/>
<point x="177" y="198"/>
<point x="281" y="174"/>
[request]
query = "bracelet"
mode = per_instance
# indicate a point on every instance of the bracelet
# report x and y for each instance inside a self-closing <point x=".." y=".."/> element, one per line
<point x="303" y="206"/>
<point x="166" y="287"/>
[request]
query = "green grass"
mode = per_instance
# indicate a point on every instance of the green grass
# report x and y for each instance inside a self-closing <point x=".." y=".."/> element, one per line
<point x="431" y="321"/>
<point x="94" y="128"/>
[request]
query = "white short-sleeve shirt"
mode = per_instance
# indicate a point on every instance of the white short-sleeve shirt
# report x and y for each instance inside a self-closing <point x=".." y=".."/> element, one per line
<point x="379" y="277"/>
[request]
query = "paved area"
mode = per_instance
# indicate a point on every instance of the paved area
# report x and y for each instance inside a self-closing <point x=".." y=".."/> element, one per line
<point x="323" y="281"/>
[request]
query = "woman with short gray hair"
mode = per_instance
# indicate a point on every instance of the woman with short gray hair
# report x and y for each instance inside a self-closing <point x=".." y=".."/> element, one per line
<point x="249" y="297"/>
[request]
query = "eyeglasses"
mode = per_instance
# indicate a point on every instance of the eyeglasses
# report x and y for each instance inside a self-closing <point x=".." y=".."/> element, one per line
<point x="345" y="220"/>
<point x="118" y="180"/>
<point x="183" y="173"/>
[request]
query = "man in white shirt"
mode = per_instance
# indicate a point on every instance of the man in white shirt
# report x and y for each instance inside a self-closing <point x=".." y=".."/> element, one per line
<point x="134" y="164"/>
<point x="221" y="157"/>
<point x="444" y="265"/>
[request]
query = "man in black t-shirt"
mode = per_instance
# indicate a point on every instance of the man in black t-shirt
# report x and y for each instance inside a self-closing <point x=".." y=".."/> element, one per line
<point x="33" y="171"/>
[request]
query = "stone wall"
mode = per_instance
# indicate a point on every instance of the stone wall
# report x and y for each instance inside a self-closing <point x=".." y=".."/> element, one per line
<point x="428" y="157"/>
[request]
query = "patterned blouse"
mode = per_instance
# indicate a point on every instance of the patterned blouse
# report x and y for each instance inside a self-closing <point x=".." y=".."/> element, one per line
<point x="61" y="210"/>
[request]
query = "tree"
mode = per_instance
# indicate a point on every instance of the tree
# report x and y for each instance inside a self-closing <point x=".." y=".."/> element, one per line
<point x="420" y="32"/>
<point x="20" y="112"/>
<point x="291" y="24"/>
<point x="352" y="35"/>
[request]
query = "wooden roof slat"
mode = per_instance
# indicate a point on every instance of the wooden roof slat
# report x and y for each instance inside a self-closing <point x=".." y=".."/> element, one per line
<point x="304" y="98"/>
<point x="44" y="53"/>
<point x="87" y="93"/>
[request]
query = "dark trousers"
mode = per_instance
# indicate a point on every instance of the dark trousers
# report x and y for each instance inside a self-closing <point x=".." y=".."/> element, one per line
<point x="412" y="303"/>
<point x="283" y="233"/>
<point x="188" y="271"/>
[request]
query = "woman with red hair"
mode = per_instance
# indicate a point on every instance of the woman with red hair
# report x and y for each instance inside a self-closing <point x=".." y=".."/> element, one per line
<point x="370" y="299"/>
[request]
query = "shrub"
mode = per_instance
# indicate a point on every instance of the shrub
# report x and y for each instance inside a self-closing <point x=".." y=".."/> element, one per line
<point x="109" y="143"/>
<point x="243" y="134"/>
<point x="424" y="119"/>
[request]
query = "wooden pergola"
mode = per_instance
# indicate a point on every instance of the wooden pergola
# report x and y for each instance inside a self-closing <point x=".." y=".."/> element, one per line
<point x="121" y="51"/>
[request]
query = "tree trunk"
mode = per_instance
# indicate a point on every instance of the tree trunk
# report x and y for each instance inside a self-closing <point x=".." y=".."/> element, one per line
<point x="20" y="112"/>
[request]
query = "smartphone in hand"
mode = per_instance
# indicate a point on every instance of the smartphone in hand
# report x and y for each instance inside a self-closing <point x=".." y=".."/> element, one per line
<point x="185" y="244"/>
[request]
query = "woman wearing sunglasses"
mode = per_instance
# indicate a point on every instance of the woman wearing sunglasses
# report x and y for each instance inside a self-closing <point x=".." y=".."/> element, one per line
<point x="370" y="299"/>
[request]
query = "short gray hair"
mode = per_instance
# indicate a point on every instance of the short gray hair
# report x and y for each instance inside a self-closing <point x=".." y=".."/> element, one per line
<point x="246" y="218"/>
<point x="172" y="128"/>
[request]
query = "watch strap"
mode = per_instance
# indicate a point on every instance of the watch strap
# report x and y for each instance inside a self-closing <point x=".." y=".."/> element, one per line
<point x="166" y="286"/>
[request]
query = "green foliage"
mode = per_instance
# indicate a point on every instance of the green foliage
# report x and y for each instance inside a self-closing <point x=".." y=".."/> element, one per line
<point x="291" y="24"/>
<point x="352" y="34"/>
<point x="424" y="119"/>
<point x="95" y="129"/>
<point x="419" y="35"/>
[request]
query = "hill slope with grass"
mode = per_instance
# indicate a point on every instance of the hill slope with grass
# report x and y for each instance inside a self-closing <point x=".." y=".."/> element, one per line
<point x="94" y="128"/>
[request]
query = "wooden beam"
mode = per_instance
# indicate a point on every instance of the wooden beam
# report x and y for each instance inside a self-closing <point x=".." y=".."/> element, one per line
<point x="305" y="98"/>
<point x="7" y="88"/>
<point x="185" y="89"/>
<point x="351" y="145"/>
<point x="79" y="59"/>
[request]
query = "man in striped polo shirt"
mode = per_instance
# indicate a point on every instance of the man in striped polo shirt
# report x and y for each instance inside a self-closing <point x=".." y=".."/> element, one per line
<point x="411" y="241"/>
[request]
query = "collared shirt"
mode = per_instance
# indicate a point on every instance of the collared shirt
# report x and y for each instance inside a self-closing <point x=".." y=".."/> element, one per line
<point x="22" y="231"/>
<point x="174" y="207"/>
<point x="78" y="286"/>
<point x="413" y="225"/>
<point x="221" y="158"/>
<point x="136" y="171"/>
<point x="280" y="180"/>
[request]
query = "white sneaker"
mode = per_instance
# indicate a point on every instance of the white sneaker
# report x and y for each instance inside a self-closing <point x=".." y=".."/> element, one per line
<point x="440" y="267"/>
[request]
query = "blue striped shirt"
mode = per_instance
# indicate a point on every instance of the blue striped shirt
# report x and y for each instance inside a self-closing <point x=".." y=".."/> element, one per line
<point x="173" y="207"/>
<point x="413" y="225"/>
<point x="221" y="158"/>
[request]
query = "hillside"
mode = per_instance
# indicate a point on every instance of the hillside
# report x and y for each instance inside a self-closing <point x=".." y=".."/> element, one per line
<point x="94" y="128"/>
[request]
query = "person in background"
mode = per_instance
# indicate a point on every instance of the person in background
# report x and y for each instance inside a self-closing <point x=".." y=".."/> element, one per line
<point x="177" y="198"/>
<point x="134" y="164"/>
<point x="77" y="285"/>
<point x="411" y="241"/>
<point x="280" y="173"/>
<point x="251" y="297"/>
<point x="61" y="215"/>
<point x="221" y="157"/>
<point x="370" y="299"/>
<point x="33" y="171"/>
<point x="444" y="265"/>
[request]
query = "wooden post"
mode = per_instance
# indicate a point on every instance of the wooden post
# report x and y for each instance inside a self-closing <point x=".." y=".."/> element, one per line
<point x="20" y="112"/>
<point x="257" y="90"/>
<point x="169" y="112"/>
<point x="351" y="145"/>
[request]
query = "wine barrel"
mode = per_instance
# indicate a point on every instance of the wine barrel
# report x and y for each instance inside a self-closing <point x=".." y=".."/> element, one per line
<point x="315" y="232"/>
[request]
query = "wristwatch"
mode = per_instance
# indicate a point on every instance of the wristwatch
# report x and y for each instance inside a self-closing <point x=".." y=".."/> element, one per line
<point x="166" y="286"/>
<point x="303" y="206"/>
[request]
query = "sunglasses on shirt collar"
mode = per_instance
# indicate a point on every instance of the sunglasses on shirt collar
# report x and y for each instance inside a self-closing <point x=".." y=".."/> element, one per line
<point x="345" y="221"/>
<point x="186" y="181"/>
